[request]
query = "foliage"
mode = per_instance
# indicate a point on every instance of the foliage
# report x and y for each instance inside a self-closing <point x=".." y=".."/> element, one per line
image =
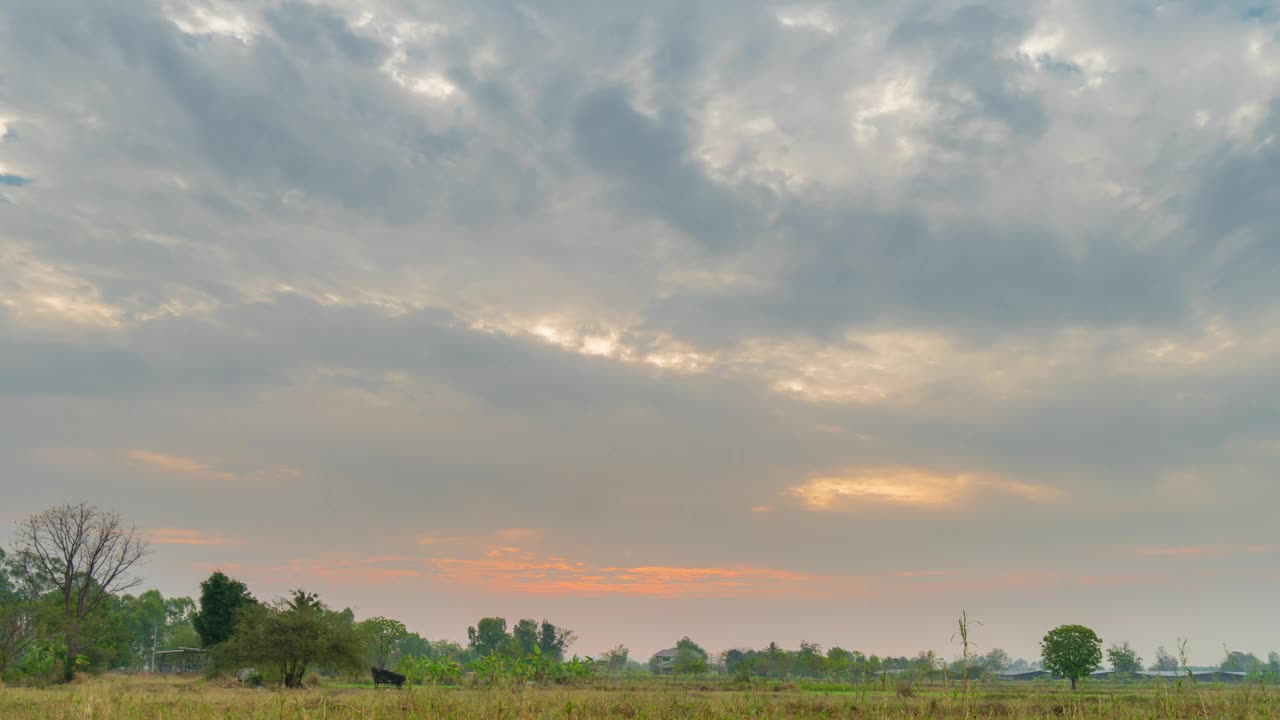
<point x="381" y="635"/>
<point x="615" y="660"/>
<point x="290" y="636"/>
<point x="17" y="623"/>
<point x="996" y="661"/>
<point x="689" y="662"/>
<point x="524" y="635"/>
<point x="1123" y="658"/>
<point x="427" y="670"/>
<point x="84" y="555"/>
<point x="221" y="599"/>
<point x="148" y="698"/>
<point x="554" y="641"/>
<point x="1245" y="662"/>
<point x="1071" y="651"/>
<point x="489" y="636"/>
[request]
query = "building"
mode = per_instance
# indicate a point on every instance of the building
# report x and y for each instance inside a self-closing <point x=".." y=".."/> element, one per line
<point x="181" y="660"/>
<point x="663" y="661"/>
<point x="1023" y="675"/>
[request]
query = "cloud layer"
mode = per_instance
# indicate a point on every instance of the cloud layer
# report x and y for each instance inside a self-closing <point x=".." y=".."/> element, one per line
<point x="721" y="301"/>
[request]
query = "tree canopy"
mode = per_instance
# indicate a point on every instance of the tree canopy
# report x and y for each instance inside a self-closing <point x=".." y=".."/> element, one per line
<point x="289" y="635"/>
<point x="1123" y="658"/>
<point x="1071" y="651"/>
<point x="221" y="599"/>
<point x="84" y="555"/>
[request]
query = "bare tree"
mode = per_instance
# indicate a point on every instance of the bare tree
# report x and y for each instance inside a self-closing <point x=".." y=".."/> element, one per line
<point x="85" y="555"/>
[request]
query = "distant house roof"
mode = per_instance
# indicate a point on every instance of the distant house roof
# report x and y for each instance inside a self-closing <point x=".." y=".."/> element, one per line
<point x="668" y="654"/>
<point x="1023" y="674"/>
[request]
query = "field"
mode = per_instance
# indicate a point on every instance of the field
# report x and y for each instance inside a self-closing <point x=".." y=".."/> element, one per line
<point x="145" y="698"/>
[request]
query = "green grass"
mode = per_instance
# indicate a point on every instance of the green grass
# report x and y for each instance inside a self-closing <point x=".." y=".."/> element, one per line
<point x="149" y="698"/>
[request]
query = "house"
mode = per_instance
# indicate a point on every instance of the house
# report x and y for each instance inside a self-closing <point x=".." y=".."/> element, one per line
<point x="663" y="661"/>
<point x="181" y="660"/>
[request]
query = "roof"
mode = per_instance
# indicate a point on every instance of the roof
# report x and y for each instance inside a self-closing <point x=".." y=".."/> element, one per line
<point x="668" y="653"/>
<point x="181" y="650"/>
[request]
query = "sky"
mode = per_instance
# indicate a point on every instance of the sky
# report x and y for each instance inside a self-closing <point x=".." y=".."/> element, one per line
<point x="732" y="319"/>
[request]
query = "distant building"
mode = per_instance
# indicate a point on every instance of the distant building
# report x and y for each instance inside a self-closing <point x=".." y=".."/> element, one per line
<point x="182" y="660"/>
<point x="663" y="661"/>
<point x="1023" y="675"/>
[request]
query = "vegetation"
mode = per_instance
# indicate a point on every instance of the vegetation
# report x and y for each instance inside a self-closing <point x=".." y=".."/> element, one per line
<point x="155" y="698"/>
<point x="292" y="636"/>
<point x="221" y="598"/>
<point x="1124" y="659"/>
<point x="76" y="557"/>
<point x="1072" y="652"/>
<point x="65" y="609"/>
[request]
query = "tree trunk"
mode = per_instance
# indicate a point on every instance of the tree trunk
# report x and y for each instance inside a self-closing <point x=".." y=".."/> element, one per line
<point x="1073" y="682"/>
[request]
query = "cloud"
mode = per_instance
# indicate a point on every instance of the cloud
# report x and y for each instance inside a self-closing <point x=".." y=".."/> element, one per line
<point x="1197" y="551"/>
<point x="176" y="465"/>
<point x="189" y="536"/>
<point x="532" y="575"/>
<point x="909" y="487"/>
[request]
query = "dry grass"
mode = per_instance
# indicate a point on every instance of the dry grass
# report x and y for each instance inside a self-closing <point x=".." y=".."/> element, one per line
<point x="118" y="698"/>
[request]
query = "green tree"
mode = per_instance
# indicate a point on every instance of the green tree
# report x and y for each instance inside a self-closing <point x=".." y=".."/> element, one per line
<point x="17" y="621"/>
<point x="809" y="659"/>
<point x="414" y="645"/>
<point x="689" y="662"/>
<point x="221" y="599"/>
<point x="1071" y="651"/>
<point x="381" y="635"/>
<point x="1124" y="659"/>
<point x="489" y="636"/>
<point x="1236" y="661"/>
<point x="996" y="661"/>
<point x="1165" y="662"/>
<point x="85" y="555"/>
<point x="615" y="660"/>
<point x="525" y="636"/>
<point x="291" y="635"/>
<point x="145" y="620"/>
<point x="554" y="641"/>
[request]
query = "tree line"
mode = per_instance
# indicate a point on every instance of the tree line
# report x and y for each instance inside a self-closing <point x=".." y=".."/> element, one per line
<point x="66" y="606"/>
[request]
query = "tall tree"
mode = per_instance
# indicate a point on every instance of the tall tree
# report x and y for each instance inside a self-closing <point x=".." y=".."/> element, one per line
<point x="554" y="641"/>
<point x="85" y="554"/>
<point x="1071" y="651"/>
<point x="17" y="624"/>
<point x="221" y="597"/>
<point x="525" y="635"/>
<point x="996" y="661"/>
<point x="489" y="636"/>
<point x="1165" y="662"/>
<point x="1123" y="658"/>
<point x="289" y="636"/>
<point x="381" y="635"/>
<point x="615" y="659"/>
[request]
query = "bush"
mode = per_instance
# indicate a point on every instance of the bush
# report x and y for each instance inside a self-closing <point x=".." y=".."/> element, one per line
<point x="312" y="680"/>
<point x="249" y="677"/>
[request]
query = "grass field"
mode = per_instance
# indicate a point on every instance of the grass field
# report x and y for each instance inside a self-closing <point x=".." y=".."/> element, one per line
<point x="142" y="698"/>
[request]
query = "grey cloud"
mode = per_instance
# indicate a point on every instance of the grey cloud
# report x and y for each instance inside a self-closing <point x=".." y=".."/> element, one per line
<point x="651" y="160"/>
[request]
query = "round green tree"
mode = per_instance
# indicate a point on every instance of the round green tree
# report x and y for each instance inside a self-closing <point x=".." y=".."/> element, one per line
<point x="1071" y="651"/>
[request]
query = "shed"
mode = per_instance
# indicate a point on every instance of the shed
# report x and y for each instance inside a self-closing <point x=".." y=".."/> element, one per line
<point x="181" y="660"/>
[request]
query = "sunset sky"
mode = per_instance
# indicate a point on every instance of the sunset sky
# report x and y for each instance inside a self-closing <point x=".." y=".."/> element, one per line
<point x="732" y="319"/>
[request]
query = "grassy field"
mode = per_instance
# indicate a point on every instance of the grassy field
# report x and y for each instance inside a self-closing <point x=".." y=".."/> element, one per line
<point x="141" y="698"/>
